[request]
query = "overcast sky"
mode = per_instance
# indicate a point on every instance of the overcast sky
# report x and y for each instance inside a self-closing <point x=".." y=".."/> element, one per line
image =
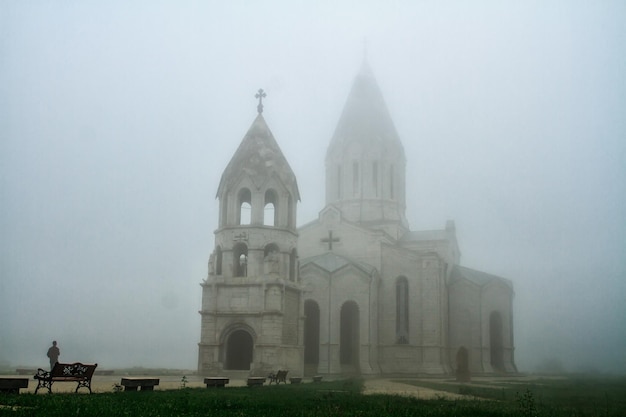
<point x="117" y="119"/>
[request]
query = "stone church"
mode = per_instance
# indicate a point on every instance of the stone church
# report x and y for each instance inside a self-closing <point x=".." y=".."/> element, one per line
<point x="354" y="291"/>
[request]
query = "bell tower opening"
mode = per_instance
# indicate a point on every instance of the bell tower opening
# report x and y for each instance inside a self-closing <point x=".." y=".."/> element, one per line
<point x="270" y="212"/>
<point x="244" y="214"/>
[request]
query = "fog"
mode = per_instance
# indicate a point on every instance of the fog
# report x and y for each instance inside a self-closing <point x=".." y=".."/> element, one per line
<point x="117" y="119"/>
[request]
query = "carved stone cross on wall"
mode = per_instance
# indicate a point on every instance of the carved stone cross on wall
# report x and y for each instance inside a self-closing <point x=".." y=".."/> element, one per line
<point x="330" y="239"/>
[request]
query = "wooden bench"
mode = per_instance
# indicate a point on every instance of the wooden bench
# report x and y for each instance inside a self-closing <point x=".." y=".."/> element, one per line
<point x="13" y="385"/>
<point x="66" y="372"/>
<point x="146" y="384"/>
<point x="278" y="377"/>
<point x="216" y="381"/>
<point x="255" y="381"/>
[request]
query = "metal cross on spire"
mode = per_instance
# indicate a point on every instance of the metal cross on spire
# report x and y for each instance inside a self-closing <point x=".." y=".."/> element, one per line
<point x="260" y="95"/>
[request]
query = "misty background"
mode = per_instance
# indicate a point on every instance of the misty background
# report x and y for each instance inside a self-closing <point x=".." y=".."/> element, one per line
<point x="117" y="119"/>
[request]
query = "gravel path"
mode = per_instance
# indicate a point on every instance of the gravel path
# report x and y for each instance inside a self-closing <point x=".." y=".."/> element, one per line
<point x="385" y="386"/>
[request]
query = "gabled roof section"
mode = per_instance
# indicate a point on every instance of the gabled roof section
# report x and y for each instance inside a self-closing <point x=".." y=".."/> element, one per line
<point x="477" y="277"/>
<point x="259" y="156"/>
<point x="365" y="118"/>
<point x="332" y="262"/>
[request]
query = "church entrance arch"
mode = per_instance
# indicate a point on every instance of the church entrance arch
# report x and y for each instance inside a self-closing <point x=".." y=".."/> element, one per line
<point x="496" y="345"/>
<point x="239" y="346"/>
<point x="462" y="365"/>
<point x="349" y="336"/>
<point x="311" y="333"/>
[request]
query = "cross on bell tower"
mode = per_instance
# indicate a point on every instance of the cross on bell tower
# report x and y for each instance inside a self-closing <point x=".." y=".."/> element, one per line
<point x="260" y="95"/>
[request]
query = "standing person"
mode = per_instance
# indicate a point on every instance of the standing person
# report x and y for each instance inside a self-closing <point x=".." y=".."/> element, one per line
<point x="53" y="354"/>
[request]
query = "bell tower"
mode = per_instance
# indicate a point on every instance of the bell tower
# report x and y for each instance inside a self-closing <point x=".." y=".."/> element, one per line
<point x="251" y="299"/>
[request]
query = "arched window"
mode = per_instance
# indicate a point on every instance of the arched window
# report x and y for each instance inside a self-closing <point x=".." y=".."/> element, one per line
<point x="402" y="311"/>
<point x="240" y="260"/>
<point x="218" y="261"/>
<point x="270" y="212"/>
<point x="244" y="216"/>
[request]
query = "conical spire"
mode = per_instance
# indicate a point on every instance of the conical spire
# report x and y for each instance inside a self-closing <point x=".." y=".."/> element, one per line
<point x="365" y="118"/>
<point x="259" y="156"/>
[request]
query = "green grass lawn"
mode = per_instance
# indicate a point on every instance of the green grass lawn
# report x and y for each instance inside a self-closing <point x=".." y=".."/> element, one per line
<point x="572" y="397"/>
<point x="593" y="396"/>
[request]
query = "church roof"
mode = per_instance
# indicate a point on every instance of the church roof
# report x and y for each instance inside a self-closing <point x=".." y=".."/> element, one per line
<point x="365" y="118"/>
<point x="259" y="156"/>
<point x="422" y="235"/>
<point x="477" y="277"/>
<point x="332" y="262"/>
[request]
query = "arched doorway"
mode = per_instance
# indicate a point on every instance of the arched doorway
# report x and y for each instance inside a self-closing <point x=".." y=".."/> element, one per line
<point x="311" y="333"/>
<point x="462" y="365"/>
<point x="239" y="347"/>
<point x="349" y="336"/>
<point x="496" y="345"/>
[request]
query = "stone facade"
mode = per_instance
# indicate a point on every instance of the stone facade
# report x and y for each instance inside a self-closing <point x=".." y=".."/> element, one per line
<point x="354" y="291"/>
